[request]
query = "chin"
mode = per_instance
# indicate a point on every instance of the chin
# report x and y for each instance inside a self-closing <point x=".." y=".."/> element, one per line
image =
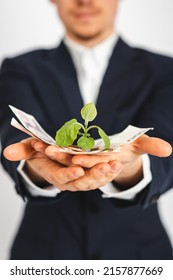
<point x="87" y="34"/>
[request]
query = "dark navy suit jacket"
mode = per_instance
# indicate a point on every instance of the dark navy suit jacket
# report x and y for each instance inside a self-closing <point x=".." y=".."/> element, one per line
<point x="137" y="89"/>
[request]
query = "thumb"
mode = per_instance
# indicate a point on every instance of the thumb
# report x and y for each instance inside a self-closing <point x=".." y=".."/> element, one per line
<point x="153" y="146"/>
<point x="19" y="151"/>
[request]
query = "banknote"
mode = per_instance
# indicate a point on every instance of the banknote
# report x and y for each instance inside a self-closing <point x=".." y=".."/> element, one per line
<point x="28" y="124"/>
<point x="17" y="125"/>
<point x="31" y="125"/>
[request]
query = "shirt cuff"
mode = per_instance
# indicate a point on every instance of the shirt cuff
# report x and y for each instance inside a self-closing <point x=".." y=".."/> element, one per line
<point x="33" y="189"/>
<point x="109" y="191"/>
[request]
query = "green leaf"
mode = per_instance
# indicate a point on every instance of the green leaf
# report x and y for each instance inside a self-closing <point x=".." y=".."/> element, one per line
<point x="67" y="134"/>
<point x="105" y="138"/>
<point x="89" y="112"/>
<point x="86" y="143"/>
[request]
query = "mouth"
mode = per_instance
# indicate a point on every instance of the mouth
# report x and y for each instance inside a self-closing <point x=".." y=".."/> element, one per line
<point x="85" y="16"/>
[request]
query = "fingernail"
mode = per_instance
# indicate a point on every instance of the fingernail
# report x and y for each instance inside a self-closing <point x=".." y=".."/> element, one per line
<point x="54" y="149"/>
<point x="78" y="173"/>
<point x="103" y="170"/>
<point x="115" y="167"/>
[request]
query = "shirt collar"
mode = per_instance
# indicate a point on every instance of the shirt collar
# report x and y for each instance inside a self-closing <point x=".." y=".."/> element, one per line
<point x="100" y="52"/>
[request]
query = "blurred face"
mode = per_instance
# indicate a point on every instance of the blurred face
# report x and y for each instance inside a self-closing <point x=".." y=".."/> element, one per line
<point x="87" y="21"/>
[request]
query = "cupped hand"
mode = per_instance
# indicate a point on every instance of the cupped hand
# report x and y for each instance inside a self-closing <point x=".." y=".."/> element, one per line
<point x="45" y="166"/>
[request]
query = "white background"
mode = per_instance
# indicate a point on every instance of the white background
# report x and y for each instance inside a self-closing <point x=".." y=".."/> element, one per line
<point x="26" y="25"/>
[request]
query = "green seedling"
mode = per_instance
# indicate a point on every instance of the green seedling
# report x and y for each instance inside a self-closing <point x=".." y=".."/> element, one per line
<point x="74" y="131"/>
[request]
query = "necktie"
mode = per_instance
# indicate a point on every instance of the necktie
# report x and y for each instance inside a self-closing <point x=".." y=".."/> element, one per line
<point x="89" y="81"/>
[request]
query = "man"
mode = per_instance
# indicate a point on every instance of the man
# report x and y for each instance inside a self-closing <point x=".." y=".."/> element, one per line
<point x="87" y="207"/>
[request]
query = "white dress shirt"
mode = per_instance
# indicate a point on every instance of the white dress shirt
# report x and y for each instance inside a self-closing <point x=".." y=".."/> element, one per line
<point x="91" y="64"/>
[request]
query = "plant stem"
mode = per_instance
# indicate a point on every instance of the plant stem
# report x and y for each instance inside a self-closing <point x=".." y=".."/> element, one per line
<point x="92" y="126"/>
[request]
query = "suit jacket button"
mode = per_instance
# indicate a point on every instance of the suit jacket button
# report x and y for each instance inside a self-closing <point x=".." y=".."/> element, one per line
<point x="155" y="198"/>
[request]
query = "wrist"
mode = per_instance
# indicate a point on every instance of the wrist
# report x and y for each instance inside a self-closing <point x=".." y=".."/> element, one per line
<point x="130" y="176"/>
<point x="34" y="177"/>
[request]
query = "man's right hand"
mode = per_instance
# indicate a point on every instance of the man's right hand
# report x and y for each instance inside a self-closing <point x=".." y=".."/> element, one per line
<point x="46" y="167"/>
<point x="40" y="168"/>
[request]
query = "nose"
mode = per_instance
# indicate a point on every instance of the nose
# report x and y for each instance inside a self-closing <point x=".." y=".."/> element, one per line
<point x="84" y="1"/>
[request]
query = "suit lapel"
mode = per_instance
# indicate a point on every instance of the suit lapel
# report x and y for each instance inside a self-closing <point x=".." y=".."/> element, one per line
<point x="67" y="81"/>
<point x="112" y="90"/>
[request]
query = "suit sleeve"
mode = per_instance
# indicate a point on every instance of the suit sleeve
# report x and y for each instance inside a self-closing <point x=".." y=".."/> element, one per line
<point x="157" y="112"/>
<point x="17" y="89"/>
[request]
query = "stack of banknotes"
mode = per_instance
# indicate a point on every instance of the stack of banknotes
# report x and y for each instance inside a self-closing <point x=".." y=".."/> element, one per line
<point x="28" y="124"/>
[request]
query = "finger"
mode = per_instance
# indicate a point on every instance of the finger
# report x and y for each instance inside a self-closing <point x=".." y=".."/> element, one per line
<point x="153" y="146"/>
<point x="55" y="154"/>
<point x="62" y="175"/>
<point x="94" y="178"/>
<point x="39" y="146"/>
<point x="116" y="166"/>
<point x="89" y="161"/>
<point x="19" y="151"/>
